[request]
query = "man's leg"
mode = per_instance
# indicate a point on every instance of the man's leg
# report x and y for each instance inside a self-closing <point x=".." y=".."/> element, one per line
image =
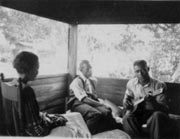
<point x="158" y="125"/>
<point x="108" y="120"/>
<point x="173" y="128"/>
<point x="90" y="115"/>
<point x="132" y="125"/>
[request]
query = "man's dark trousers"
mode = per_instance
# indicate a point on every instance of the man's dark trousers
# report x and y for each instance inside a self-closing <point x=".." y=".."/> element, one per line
<point x="96" y="119"/>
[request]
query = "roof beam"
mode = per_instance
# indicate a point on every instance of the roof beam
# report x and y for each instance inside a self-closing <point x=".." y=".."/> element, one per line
<point x="101" y="11"/>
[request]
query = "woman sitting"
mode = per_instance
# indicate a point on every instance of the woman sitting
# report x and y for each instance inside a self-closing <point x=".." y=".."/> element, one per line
<point x="35" y="122"/>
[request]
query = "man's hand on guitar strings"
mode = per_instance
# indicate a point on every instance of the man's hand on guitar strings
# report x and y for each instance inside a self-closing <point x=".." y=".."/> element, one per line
<point x="149" y="96"/>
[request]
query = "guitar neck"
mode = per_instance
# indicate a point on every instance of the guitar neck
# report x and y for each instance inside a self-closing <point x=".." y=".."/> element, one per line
<point x="157" y="92"/>
<point x="139" y="101"/>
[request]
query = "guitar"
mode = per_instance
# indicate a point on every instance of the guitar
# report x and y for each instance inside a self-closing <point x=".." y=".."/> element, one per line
<point x="137" y="103"/>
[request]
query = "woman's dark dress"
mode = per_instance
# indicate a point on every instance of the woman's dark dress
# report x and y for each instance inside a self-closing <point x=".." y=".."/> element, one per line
<point x="33" y="123"/>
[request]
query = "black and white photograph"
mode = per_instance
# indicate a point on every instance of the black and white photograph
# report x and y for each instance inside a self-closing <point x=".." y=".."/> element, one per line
<point x="95" y="69"/>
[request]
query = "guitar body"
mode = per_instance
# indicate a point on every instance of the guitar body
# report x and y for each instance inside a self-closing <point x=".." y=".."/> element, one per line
<point x="138" y="109"/>
<point x="140" y="104"/>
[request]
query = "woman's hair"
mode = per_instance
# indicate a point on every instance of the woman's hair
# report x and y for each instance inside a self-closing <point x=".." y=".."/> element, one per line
<point x="25" y="62"/>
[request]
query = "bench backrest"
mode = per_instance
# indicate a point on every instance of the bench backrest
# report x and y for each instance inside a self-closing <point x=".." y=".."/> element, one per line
<point x="111" y="89"/>
<point x="51" y="93"/>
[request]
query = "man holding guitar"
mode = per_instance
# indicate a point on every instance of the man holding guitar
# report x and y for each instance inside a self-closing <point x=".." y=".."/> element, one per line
<point x="145" y="103"/>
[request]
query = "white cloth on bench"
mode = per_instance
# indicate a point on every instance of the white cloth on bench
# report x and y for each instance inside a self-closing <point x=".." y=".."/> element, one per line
<point x="74" y="128"/>
<point x="113" y="134"/>
<point x="77" y="128"/>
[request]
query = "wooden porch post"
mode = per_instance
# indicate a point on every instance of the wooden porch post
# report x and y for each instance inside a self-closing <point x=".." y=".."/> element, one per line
<point x="72" y="51"/>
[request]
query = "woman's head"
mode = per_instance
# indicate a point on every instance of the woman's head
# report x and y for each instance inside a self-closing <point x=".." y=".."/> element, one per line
<point x="27" y="65"/>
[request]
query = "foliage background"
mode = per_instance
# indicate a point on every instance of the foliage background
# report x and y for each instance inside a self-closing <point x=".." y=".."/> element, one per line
<point x="25" y="32"/>
<point x="111" y="49"/>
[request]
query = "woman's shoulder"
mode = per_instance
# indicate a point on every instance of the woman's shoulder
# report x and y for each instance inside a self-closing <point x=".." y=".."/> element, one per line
<point x="28" y="88"/>
<point x="28" y="91"/>
<point x="15" y="82"/>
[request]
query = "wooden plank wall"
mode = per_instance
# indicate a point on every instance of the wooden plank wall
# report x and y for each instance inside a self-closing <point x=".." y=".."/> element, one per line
<point x="112" y="89"/>
<point x="51" y="93"/>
